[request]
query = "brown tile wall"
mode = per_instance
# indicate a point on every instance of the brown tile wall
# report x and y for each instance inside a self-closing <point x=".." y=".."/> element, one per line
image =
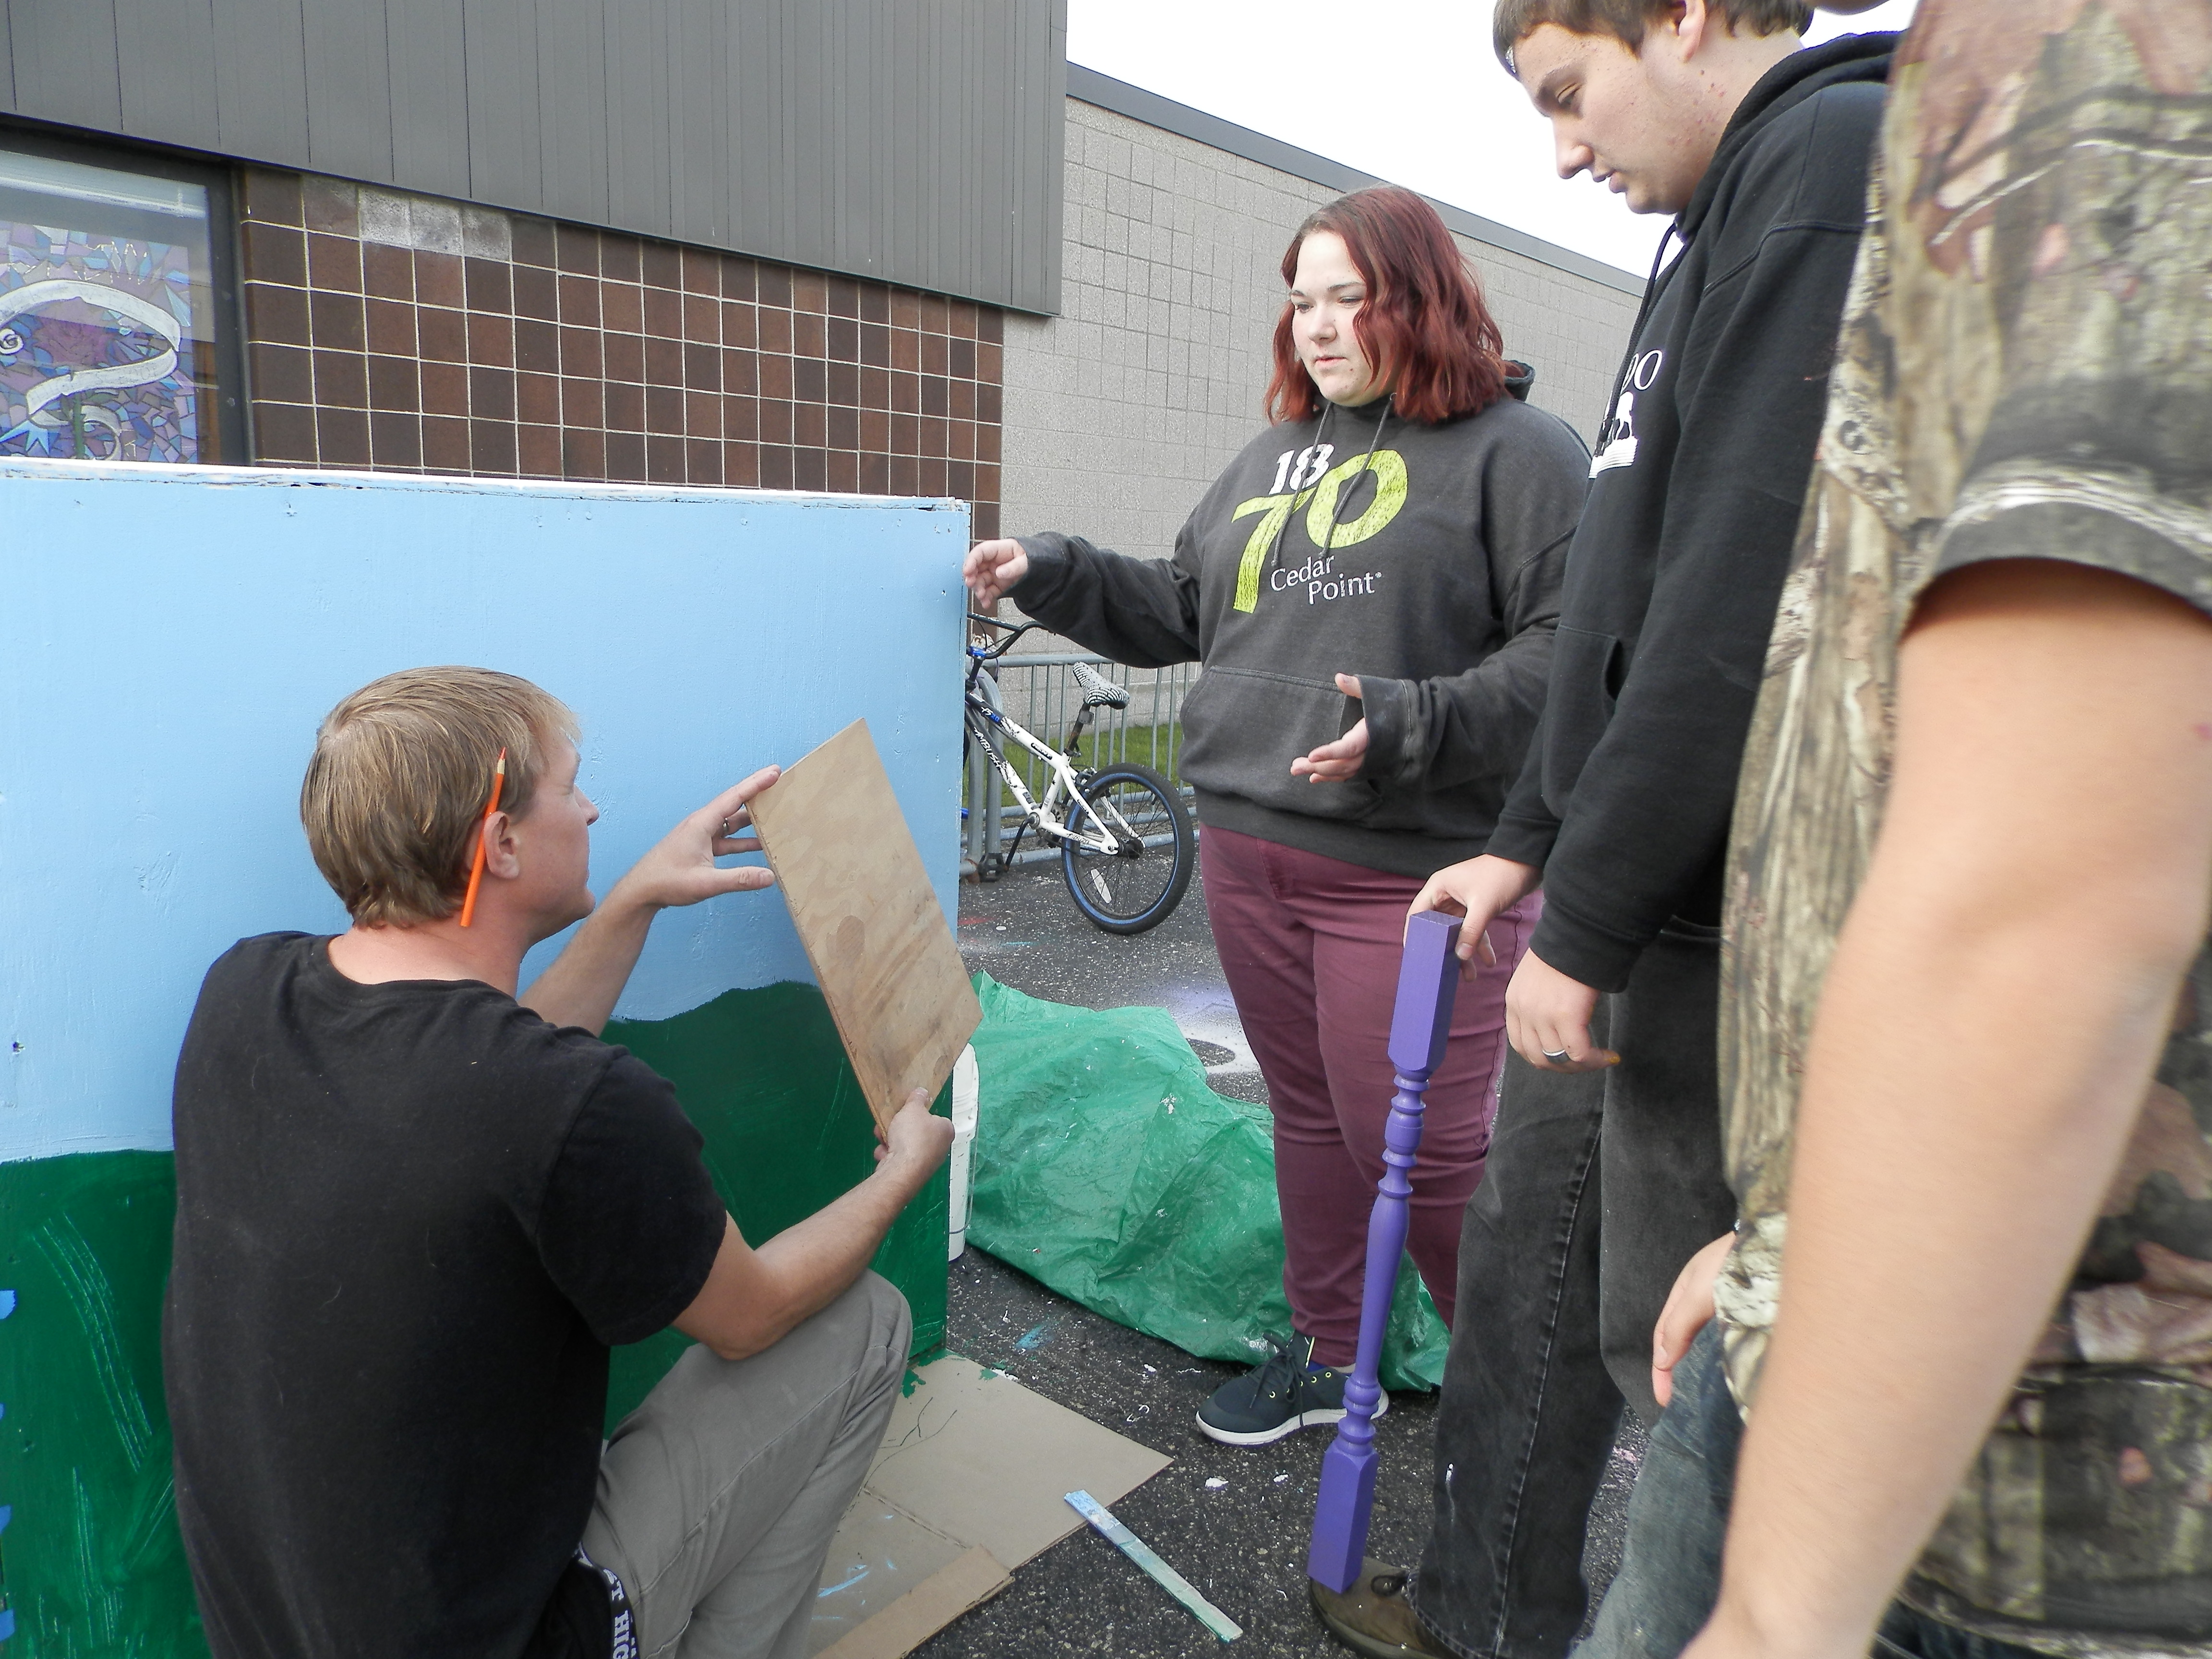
<point x="592" y="354"/>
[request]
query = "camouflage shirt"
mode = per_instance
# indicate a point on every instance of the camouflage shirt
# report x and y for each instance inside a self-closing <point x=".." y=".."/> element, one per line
<point x="2025" y="369"/>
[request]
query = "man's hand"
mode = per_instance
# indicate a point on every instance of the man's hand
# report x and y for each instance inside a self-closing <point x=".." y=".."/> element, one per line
<point x="1548" y="1017"/>
<point x="1479" y="890"/>
<point x="1689" y="1310"/>
<point x="1337" y="761"/>
<point x="909" y="1152"/>
<point x="991" y="568"/>
<point x="753" y="1297"/>
<point x="1729" y="1634"/>
<point x="586" y="979"/>
<point x="682" y="870"/>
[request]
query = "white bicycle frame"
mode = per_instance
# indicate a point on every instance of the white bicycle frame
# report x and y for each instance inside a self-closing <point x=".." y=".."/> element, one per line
<point x="1046" y="816"/>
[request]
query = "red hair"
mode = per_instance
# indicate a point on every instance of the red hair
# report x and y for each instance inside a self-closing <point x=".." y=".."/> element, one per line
<point x="1424" y="325"/>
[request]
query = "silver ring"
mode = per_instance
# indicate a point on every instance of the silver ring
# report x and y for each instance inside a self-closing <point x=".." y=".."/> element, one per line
<point x="726" y="828"/>
<point x="1561" y="1054"/>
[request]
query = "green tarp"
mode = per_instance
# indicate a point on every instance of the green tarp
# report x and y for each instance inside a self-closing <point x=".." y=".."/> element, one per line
<point x="1107" y="1170"/>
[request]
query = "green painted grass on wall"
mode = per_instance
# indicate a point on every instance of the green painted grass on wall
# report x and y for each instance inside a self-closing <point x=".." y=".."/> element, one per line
<point x="91" y="1562"/>
<point x="764" y="1076"/>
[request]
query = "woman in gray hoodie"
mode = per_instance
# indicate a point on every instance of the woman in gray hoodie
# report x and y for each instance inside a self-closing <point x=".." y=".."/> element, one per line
<point x="1372" y="587"/>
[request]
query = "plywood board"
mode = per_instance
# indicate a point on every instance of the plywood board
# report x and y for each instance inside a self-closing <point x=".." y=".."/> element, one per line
<point x="868" y="917"/>
<point x="969" y="1485"/>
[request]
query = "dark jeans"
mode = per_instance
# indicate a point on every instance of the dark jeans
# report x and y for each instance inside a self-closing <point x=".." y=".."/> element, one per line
<point x="1598" y="1189"/>
<point x="1670" y="1572"/>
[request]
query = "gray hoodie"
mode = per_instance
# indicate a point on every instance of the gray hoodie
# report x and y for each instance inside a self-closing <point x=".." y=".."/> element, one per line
<point x="1425" y="560"/>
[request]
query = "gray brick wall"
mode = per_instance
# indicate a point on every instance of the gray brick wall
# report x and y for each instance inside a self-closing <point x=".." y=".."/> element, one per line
<point x="1122" y="409"/>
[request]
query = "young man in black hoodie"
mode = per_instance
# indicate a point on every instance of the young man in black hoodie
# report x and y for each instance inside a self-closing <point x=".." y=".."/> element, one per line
<point x="1602" y="1186"/>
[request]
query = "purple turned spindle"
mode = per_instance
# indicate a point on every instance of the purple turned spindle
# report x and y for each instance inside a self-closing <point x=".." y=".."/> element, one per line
<point x="1428" y="980"/>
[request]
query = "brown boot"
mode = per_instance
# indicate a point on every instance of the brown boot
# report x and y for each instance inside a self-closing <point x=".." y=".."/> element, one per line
<point x="1373" y="1617"/>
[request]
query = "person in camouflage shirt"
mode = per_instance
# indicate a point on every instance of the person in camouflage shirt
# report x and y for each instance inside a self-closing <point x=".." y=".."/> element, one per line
<point x="1966" y="1007"/>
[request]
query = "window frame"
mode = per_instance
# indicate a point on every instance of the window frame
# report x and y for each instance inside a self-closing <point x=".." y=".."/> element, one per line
<point x="219" y="177"/>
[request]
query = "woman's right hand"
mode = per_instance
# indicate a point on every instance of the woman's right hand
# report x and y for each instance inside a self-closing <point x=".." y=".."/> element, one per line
<point x="1478" y="889"/>
<point x="992" y="568"/>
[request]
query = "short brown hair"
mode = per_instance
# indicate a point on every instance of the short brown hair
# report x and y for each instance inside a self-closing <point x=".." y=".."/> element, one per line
<point x="401" y="773"/>
<point x="1514" y="21"/>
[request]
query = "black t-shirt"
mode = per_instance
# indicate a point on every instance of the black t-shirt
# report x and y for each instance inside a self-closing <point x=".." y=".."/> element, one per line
<point x="411" y="1219"/>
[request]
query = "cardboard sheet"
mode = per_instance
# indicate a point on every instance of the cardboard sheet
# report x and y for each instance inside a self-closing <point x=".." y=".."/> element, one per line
<point x="923" y="1611"/>
<point x="874" y="932"/>
<point x="969" y="1484"/>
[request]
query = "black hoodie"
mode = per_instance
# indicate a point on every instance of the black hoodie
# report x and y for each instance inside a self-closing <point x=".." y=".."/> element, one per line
<point x="1698" y="483"/>
<point x="1424" y="559"/>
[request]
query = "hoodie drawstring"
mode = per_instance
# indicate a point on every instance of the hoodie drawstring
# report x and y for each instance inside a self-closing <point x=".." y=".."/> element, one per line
<point x="1672" y="232"/>
<point x="1343" y="499"/>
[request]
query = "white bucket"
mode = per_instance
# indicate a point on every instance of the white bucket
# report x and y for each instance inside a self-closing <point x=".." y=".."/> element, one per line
<point x="966" y="1084"/>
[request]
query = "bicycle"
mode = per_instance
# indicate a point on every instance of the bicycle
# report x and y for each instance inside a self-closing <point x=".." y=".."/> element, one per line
<point x="1126" y="848"/>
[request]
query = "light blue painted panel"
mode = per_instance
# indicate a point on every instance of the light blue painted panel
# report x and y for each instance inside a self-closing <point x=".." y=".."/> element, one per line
<point x="170" y="637"/>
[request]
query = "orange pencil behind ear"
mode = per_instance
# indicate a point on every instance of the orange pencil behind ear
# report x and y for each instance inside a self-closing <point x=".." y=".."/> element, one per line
<point x="475" y="866"/>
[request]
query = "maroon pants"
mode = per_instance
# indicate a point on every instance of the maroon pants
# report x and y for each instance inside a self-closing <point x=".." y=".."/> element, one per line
<point x="1310" y="946"/>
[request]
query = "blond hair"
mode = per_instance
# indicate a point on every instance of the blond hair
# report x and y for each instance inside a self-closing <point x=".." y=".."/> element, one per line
<point x="401" y="773"/>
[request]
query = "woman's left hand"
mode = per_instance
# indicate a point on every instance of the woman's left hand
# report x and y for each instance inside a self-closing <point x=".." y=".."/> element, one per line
<point x="1337" y="761"/>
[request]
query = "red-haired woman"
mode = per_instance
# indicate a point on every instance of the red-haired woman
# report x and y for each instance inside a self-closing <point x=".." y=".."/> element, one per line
<point x="1401" y="523"/>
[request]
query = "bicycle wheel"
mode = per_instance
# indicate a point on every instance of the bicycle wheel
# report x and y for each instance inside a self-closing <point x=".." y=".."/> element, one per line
<point x="1139" y="886"/>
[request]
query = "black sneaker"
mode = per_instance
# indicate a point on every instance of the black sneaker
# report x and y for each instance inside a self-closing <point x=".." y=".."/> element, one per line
<point x="1277" y="1398"/>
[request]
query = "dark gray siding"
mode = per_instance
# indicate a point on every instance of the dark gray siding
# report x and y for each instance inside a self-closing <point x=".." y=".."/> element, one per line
<point x="916" y="142"/>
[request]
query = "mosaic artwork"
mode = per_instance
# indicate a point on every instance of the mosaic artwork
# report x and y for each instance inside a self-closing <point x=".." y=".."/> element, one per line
<point x="95" y="347"/>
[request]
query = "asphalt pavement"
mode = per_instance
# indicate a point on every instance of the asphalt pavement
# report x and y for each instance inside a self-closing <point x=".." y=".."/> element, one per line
<point x="1232" y="1521"/>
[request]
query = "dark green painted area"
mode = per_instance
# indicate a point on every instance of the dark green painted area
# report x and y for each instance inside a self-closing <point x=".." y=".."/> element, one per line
<point x="92" y="1558"/>
<point x="91" y="1562"/>
<point x="764" y="1076"/>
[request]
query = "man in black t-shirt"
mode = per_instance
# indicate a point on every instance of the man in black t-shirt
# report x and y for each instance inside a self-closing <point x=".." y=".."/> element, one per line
<point x="414" y="1213"/>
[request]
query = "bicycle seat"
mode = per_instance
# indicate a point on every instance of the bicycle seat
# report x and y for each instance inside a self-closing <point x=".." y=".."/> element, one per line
<point x="1099" y="692"/>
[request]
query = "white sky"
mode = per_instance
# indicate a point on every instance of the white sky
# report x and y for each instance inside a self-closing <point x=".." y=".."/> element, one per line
<point x="1443" y="117"/>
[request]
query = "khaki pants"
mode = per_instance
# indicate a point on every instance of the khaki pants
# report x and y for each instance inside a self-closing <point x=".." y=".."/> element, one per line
<point x="718" y="1495"/>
